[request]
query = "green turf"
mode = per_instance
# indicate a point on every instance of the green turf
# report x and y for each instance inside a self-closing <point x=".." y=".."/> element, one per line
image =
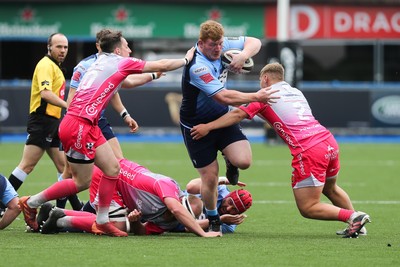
<point x="274" y="234"/>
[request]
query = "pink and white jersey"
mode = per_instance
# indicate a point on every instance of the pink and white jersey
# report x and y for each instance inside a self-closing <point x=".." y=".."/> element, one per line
<point x="291" y="118"/>
<point x="145" y="191"/>
<point x="101" y="81"/>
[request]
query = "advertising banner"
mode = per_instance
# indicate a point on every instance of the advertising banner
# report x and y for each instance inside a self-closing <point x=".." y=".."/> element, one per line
<point x="134" y="20"/>
<point x="337" y="22"/>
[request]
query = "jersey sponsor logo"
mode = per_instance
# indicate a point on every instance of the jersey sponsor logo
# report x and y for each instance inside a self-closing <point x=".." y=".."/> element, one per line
<point x="285" y="136"/>
<point x="199" y="70"/>
<point x="78" y="143"/>
<point x="92" y="109"/>
<point x="207" y="77"/>
<point x="45" y="83"/>
<point x="76" y="76"/>
<point x="232" y="38"/>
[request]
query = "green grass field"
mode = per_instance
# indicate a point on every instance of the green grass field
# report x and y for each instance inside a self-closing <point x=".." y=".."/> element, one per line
<point x="274" y="234"/>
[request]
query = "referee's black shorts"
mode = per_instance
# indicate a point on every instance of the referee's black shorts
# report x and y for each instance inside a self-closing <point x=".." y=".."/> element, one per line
<point x="43" y="131"/>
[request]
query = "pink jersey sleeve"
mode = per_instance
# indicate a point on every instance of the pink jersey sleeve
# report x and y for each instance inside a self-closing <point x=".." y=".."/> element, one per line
<point x="253" y="109"/>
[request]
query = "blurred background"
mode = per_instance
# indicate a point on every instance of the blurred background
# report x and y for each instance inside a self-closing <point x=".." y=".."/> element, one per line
<point x="344" y="55"/>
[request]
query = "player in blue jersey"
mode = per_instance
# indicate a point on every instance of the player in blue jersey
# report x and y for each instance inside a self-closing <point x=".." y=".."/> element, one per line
<point x="9" y="197"/>
<point x="231" y="205"/>
<point x="205" y="99"/>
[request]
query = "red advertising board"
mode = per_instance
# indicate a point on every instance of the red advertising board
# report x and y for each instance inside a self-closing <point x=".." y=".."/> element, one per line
<point x="336" y="22"/>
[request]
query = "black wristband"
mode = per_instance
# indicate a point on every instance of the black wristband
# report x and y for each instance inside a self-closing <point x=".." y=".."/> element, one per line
<point x="153" y="76"/>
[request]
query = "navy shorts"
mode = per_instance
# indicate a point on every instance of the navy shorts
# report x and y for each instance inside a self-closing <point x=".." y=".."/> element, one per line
<point x="204" y="151"/>
<point x="43" y="131"/>
<point x="106" y="128"/>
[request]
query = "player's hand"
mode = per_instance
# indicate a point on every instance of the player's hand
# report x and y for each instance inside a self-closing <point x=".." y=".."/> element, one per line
<point x="237" y="62"/>
<point x="224" y="181"/>
<point x="190" y="53"/>
<point x="134" y="216"/>
<point x="159" y="74"/>
<point x="132" y="124"/>
<point x="233" y="219"/>
<point x="199" y="131"/>
<point x="266" y="95"/>
<point x="212" y="234"/>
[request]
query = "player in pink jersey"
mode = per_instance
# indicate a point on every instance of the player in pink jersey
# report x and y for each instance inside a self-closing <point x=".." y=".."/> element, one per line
<point x="156" y="198"/>
<point x="82" y="139"/>
<point x="314" y="149"/>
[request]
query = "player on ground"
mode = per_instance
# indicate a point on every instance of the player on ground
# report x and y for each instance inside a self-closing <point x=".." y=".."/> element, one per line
<point x="314" y="149"/>
<point x="230" y="205"/>
<point x="9" y="197"/>
<point x="155" y="198"/>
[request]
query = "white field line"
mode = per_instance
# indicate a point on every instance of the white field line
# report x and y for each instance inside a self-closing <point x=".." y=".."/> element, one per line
<point x="375" y="202"/>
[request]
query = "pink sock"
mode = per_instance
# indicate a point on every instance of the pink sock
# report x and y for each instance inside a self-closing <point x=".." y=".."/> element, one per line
<point x="83" y="223"/>
<point x="105" y="193"/>
<point x="63" y="188"/>
<point x="344" y="215"/>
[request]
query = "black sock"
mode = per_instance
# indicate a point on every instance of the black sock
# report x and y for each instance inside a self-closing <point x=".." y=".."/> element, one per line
<point x="75" y="202"/>
<point x="15" y="182"/>
<point x="61" y="202"/>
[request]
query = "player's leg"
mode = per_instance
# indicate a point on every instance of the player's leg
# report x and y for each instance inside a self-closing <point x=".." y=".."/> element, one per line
<point x="116" y="147"/>
<point x="108" y="163"/>
<point x="30" y="157"/>
<point x="209" y="193"/>
<point x="336" y="194"/>
<point x="308" y="200"/>
<point x="236" y="150"/>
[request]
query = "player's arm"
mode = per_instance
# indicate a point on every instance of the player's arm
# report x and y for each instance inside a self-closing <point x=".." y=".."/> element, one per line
<point x="251" y="47"/>
<point x="185" y="218"/>
<point x="230" y="118"/>
<point x="135" y="80"/>
<point x="236" y="98"/>
<point x="52" y="98"/>
<point x="119" y="107"/>
<point x="71" y="93"/>
<point x="10" y="214"/>
<point x="164" y="65"/>
<point x="136" y="226"/>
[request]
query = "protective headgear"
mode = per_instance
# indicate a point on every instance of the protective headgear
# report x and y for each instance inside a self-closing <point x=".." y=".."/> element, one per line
<point x="242" y="199"/>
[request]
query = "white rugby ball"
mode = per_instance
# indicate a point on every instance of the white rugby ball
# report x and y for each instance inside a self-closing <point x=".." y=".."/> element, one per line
<point x="226" y="59"/>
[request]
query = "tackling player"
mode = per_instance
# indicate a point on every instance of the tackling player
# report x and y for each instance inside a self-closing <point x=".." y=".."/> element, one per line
<point x="314" y="149"/>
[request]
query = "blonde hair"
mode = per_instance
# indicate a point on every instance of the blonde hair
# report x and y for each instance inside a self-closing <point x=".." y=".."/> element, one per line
<point x="211" y="29"/>
<point x="274" y="70"/>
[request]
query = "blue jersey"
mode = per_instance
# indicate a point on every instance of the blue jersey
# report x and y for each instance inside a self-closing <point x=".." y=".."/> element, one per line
<point x="222" y="193"/>
<point x="7" y="191"/>
<point x="201" y="80"/>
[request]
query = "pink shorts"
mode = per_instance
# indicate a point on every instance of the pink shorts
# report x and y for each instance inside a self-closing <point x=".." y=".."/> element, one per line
<point x="80" y="138"/>
<point x="313" y="166"/>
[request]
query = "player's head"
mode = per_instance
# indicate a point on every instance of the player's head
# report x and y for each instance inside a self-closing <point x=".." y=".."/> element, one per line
<point x="236" y="202"/>
<point x="114" y="42"/>
<point x="193" y="204"/>
<point x="57" y="46"/>
<point x="99" y="36"/>
<point x="271" y="73"/>
<point x="211" y="39"/>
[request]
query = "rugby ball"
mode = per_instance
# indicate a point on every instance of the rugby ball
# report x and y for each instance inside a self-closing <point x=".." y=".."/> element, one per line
<point x="226" y="59"/>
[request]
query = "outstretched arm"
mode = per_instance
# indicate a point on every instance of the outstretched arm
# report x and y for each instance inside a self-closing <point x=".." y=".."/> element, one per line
<point x="10" y="214"/>
<point x="185" y="218"/>
<point x="230" y="118"/>
<point x="164" y="65"/>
